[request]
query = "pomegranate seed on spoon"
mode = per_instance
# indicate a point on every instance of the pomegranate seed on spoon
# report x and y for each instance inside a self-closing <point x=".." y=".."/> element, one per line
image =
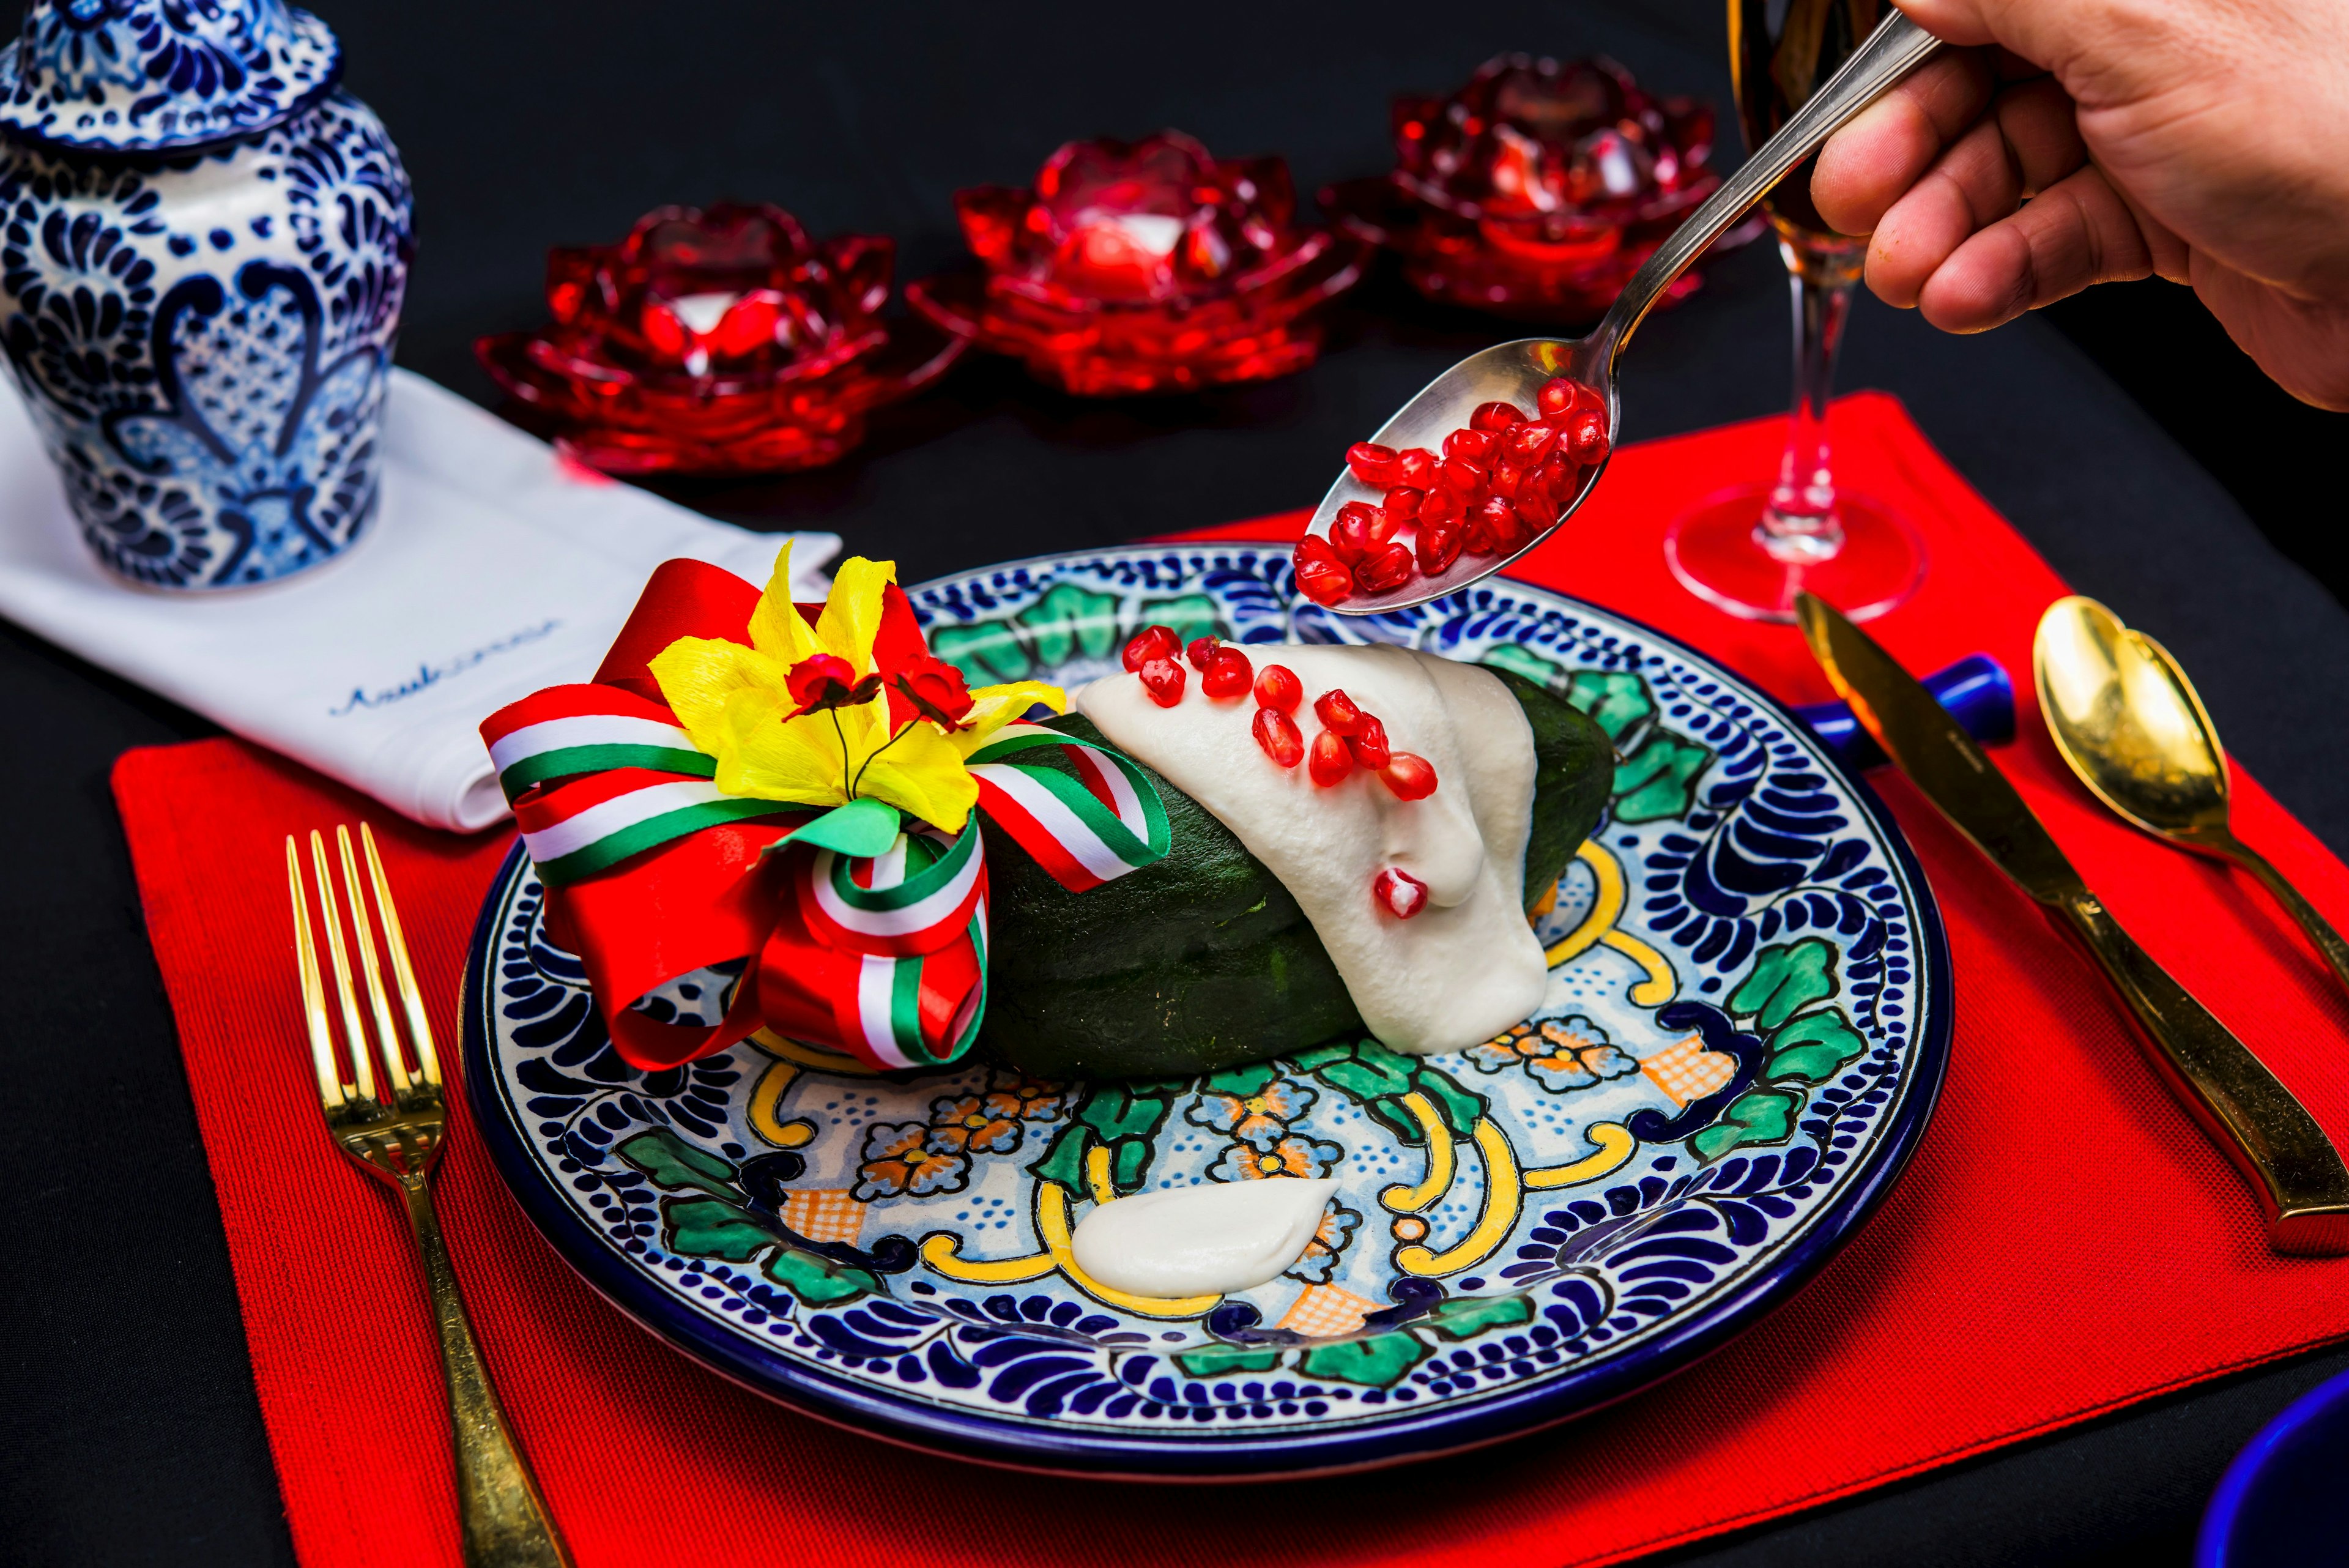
<point x="1506" y="479"/>
<point x="1402" y="502"/>
<point x="1529" y="443"/>
<point x="1276" y="733"/>
<point x="1409" y="776"/>
<point x="1371" y="464"/>
<point x="1151" y="642"/>
<point x="1438" y="545"/>
<point x="1338" y="713"/>
<point x="1385" y="569"/>
<point x="1321" y="576"/>
<point x="1496" y="416"/>
<point x="1163" y="679"/>
<point x="1279" y="689"/>
<point x="1399" y="893"/>
<point x="1361" y="530"/>
<point x="1329" y="762"/>
<point x="1557" y="395"/>
<point x="1415" y="467"/>
<point x="1586" y="436"/>
<point x="1469" y="446"/>
<point x="1460" y="476"/>
<point x="1443" y="506"/>
<point x="1228" y="674"/>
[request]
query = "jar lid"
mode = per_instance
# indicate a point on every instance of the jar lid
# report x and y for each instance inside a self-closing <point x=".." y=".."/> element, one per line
<point x="144" y="76"/>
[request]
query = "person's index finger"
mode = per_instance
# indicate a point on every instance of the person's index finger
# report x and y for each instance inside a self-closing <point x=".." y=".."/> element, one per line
<point x="1869" y="164"/>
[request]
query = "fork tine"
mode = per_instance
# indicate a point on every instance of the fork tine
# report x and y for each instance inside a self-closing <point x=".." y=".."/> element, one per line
<point x="403" y="975"/>
<point x="387" y="1033"/>
<point x="313" y="990"/>
<point x="335" y="949"/>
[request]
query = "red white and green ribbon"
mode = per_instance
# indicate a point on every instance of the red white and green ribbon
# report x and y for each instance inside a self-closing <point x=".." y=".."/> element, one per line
<point x="867" y="933"/>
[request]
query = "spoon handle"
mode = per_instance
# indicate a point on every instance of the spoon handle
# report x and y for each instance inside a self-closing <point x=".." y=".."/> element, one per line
<point x="2295" y="1171"/>
<point x="1889" y="53"/>
<point x="2320" y="931"/>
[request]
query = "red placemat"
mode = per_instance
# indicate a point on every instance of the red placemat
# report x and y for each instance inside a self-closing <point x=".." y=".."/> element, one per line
<point x="2065" y="1242"/>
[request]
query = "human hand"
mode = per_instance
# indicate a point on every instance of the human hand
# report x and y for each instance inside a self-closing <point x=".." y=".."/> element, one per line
<point x="2066" y="142"/>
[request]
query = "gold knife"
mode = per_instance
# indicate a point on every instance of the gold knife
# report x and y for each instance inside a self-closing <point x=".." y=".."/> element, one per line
<point x="2295" y="1171"/>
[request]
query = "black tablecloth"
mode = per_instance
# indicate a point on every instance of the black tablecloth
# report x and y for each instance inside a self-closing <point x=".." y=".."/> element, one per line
<point x="132" y="1432"/>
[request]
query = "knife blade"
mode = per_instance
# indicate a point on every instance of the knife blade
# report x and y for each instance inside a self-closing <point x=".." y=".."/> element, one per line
<point x="2295" y="1171"/>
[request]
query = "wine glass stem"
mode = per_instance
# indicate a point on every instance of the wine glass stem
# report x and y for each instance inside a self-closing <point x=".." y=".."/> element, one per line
<point x="1800" y="523"/>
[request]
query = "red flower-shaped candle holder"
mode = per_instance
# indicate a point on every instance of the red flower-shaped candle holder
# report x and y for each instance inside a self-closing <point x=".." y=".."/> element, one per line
<point x="1149" y="266"/>
<point x="1535" y="191"/>
<point x="723" y="341"/>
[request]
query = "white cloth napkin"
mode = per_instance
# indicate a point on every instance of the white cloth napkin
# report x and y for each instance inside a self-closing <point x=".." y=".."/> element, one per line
<point x="491" y="569"/>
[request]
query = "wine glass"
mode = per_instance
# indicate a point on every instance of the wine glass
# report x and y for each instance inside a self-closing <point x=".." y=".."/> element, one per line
<point x="1750" y="549"/>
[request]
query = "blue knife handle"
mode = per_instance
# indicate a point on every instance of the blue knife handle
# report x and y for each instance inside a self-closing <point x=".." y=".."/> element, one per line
<point x="1975" y="690"/>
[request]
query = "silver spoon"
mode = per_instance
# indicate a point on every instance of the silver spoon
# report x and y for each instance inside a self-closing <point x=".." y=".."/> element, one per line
<point x="1514" y="372"/>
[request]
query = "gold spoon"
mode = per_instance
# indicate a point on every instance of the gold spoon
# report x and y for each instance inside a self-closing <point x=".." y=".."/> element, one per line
<point x="2129" y="723"/>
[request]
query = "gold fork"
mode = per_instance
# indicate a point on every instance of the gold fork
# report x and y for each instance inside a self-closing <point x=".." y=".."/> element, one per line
<point x="505" y="1519"/>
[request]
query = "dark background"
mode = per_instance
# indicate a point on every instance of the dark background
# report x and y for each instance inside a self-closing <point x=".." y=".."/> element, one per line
<point x="2134" y="447"/>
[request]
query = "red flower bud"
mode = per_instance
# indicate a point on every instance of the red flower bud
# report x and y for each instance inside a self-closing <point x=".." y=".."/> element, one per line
<point x="937" y="690"/>
<point x="823" y="680"/>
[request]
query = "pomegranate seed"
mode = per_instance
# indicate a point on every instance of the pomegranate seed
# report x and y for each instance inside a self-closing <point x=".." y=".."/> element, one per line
<point x="1276" y="733"/>
<point x="1496" y="416"/>
<point x="1338" y="713"/>
<point x="1535" y="511"/>
<point x="1443" y="506"/>
<point x="1151" y="642"/>
<point x="1460" y="475"/>
<point x="1361" y="530"/>
<point x="1370" y="745"/>
<point x="1439" y="546"/>
<point x="1471" y="446"/>
<point x="1386" y="569"/>
<point x="1506" y="479"/>
<point x="1163" y="679"/>
<point x="1402" y="503"/>
<point x="1586" y="436"/>
<point x="1329" y="761"/>
<point x="1415" y="467"/>
<point x="1409" y="775"/>
<point x="1321" y="576"/>
<point x="1399" y="893"/>
<point x="1228" y="674"/>
<point x="1371" y="464"/>
<point x="1556" y="396"/>
<point x="1529" y="443"/>
<point x="1499" y="519"/>
<point x="1201" y="653"/>
<point x="1556" y="477"/>
<point x="1279" y="689"/>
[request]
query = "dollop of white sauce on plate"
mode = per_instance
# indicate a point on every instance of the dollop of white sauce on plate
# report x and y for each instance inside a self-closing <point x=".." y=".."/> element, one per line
<point x="1200" y="1241"/>
<point x="1467" y="966"/>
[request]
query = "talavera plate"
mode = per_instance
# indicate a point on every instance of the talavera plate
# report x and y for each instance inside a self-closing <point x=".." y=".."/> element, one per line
<point x="1747" y="1020"/>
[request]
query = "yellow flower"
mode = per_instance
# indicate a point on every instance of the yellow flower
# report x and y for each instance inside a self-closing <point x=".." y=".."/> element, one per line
<point x="735" y="704"/>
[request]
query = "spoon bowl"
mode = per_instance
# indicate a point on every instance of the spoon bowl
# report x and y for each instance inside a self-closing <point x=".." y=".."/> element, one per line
<point x="2131" y="726"/>
<point x="1514" y="372"/>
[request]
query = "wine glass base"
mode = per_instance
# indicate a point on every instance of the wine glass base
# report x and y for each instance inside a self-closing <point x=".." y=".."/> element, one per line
<point x="1713" y="550"/>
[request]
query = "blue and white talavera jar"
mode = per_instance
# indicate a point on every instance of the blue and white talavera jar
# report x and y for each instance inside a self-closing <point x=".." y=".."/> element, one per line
<point x="203" y="248"/>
